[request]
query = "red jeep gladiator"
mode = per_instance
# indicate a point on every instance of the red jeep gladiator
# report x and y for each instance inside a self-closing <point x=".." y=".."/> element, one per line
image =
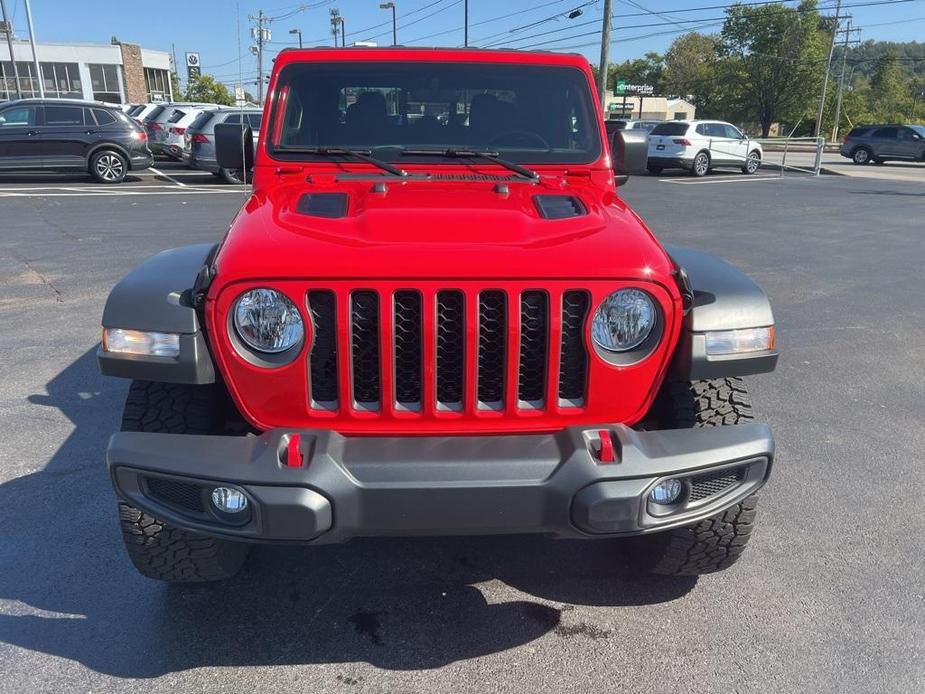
<point x="434" y="315"/>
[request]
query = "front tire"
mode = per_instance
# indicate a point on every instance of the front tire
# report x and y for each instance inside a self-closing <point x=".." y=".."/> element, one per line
<point x="700" y="167"/>
<point x="861" y="156"/>
<point x="752" y="163"/>
<point x="157" y="549"/>
<point x="108" y="166"/>
<point x="714" y="543"/>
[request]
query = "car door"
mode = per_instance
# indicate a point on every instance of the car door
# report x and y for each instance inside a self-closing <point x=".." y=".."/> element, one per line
<point x="722" y="148"/>
<point x="66" y="136"/>
<point x="909" y="144"/>
<point x="738" y="144"/>
<point x="20" y="145"/>
<point x="885" y="142"/>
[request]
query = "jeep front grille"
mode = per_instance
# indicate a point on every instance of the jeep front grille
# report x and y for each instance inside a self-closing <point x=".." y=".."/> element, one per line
<point x="447" y="350"/>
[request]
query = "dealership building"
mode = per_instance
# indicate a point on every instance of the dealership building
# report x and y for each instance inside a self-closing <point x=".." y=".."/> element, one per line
<point x="116" y="73"/>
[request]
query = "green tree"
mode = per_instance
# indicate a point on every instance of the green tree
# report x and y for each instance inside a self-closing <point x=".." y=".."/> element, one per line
<point x="175" y="94"/>
<point x="646" y="70"/>
<point x="204" y="88"/>
<point x="777" y="52"/>
<point x="890" y="94"/>
<point x="695" y="69"/>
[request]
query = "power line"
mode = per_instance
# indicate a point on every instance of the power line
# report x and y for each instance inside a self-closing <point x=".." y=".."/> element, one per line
<point x="719" y="21"/>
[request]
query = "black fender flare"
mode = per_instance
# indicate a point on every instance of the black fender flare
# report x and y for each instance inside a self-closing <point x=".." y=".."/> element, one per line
<point x="724" y="298"/>
<point x="158" y="296"/>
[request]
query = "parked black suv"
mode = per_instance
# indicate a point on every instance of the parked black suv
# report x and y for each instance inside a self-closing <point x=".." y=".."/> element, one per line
<point x="64" y="135"/>
<point x="879" y="143"/>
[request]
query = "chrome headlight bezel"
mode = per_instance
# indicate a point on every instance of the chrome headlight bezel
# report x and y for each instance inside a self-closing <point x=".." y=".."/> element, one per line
<point x="628" y="301"/>
<point x="291" y="327"/>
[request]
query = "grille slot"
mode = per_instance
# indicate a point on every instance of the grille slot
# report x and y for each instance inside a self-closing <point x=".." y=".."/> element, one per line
<point x="492" y="353"/>
<point x="451" y="349"/>
<point x="573" y="355"/>
<point x="534" y="336"/>
<point x="406" y="308"/>
<point x="364" y="346"/>
<point x="713" y="483"/>
<point x="183" y="495"/>
<point x="323" y="358"/>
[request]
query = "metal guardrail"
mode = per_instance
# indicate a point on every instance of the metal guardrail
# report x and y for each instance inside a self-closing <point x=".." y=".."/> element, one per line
<point x="816" y="145"/>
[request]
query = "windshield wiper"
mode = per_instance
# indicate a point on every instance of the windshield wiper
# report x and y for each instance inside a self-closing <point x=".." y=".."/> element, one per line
<point x="475" y="154"/>
<point x="361" y="154"/>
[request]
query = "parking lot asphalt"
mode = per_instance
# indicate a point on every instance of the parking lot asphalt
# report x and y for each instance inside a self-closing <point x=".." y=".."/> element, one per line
<point x="829" y="597"/>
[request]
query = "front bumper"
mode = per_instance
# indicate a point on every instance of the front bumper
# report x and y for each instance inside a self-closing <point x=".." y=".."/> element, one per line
<point x="478" y="485"/>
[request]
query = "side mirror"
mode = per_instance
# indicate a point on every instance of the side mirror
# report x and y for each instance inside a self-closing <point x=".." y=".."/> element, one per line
<point x="234" y="146"/>
<point x="629" y="150"/>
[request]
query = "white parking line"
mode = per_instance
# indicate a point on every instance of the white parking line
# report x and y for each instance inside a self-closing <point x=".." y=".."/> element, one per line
<point x="169" y="178"/>
<point x="721" y="180"/>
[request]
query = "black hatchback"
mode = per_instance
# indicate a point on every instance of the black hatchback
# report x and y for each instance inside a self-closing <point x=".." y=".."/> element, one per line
<point x="66" y="135"/>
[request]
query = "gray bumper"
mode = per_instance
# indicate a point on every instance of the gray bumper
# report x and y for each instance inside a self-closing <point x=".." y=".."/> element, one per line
<point x="352" y="487"/>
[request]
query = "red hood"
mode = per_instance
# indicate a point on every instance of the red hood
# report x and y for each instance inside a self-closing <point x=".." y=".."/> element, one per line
<point x="439" y="229"/>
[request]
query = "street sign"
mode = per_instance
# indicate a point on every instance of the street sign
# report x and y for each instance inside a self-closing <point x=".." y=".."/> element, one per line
<point x="620" y="88"/>
<point x="239" y="95"/>
<point x="193" y="68"/>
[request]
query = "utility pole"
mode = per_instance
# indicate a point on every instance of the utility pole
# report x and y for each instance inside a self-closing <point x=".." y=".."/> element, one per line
<point x="391" y="6"/>
<point x="261" y="35"/>
<point x="336" y="22"/>
<point x="176" y="69"/>
<point x="35" y="58"/>
<point x="9" y="42"/>
<point x="466" y="23"/>
<point x="841" y="80"/>
<point x="605" y="53"/>
<point x="825" y="75"/>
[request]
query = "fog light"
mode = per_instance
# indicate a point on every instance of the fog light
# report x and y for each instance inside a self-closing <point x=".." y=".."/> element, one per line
<point x="666" y="491"/>
<point x="229" y="500"/>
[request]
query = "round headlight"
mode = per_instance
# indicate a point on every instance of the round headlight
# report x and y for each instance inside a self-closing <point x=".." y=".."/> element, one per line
<point x="267" y="321"/>
<point x="623" y="320"/>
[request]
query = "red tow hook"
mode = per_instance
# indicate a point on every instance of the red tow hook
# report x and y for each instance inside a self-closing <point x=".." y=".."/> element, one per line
<point x="606" y="452"/>
<point x="293" y="454"/>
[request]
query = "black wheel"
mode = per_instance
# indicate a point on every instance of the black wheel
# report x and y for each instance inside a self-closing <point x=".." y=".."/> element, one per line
<point x="861" y="155"/>
<point x="717" y="542"/>
<point x="701" y="165"/>
<point x="654" y="170"/>
<point x="108" y="166"/>
<point x="157" y="549"/>
<point x="752" y="163"/>
<point x="235" y="176"/>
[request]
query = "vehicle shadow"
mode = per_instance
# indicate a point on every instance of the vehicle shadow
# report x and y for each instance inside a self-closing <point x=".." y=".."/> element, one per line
<point x="69" y="590"/>
<point x="38" y="178"/>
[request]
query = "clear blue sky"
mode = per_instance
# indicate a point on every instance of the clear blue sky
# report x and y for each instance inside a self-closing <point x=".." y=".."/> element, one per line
<point x="213" y="27"/>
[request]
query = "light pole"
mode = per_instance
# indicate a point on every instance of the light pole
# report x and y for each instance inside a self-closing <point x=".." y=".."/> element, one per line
<point x="391" y="6"/>
<point x="299" y="32"/>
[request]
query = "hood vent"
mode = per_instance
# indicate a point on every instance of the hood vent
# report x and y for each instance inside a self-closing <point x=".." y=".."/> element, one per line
<point x="330" y="205"/>
<point x="559" y="206"/>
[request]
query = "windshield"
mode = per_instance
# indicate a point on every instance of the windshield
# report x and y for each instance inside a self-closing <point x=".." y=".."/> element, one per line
<point x="524" y="113"/>
<point x="920" y="129"/>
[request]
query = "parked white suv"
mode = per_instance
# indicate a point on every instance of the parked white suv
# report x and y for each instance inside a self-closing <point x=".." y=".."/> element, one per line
<point x="700" y="145"/>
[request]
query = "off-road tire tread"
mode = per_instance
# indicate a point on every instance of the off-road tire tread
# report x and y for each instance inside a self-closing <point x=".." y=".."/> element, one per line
<point x="165" y="553"/>
<point x="714" y="543"/>
<point x="157" y="549"/>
